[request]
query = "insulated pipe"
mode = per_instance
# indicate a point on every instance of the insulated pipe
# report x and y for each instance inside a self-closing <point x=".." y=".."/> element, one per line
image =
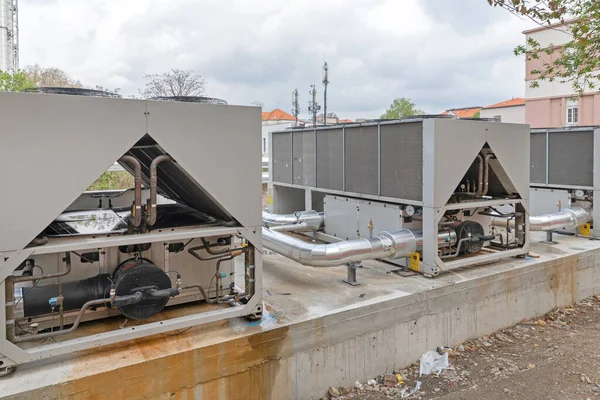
<point x="487" y="171"/>
<point x="386" y="246"/>
<point x="313" y="220"/>
<point x="568" y="218"/>
<point x="480" y="176"/>
<point x="138" y="188"/>
<point x="153" y="183"/>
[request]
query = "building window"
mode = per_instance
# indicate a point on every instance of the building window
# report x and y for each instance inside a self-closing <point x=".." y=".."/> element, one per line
<point x="264" y="145"/>
<point x="572" y="112"/>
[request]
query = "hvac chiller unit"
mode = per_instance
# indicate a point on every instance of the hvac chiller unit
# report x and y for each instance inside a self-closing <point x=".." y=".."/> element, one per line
<point x="69" y="256"/>
<point x="565" y="173"/>
<point x="439" y="193"/>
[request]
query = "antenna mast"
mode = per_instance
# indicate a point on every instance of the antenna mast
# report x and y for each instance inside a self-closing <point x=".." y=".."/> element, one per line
<point x="9" y="35"/>
<point x="313" y="107"/>
<point x="325" y="83"/>
<point x="295" y="105"/>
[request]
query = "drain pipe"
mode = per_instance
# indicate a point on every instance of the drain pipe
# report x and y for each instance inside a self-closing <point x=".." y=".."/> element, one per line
<point x="153" y="183"/>
<point x="568" y="218"/>
<point x="138" y="188"/>
<point x="387" y="246"/>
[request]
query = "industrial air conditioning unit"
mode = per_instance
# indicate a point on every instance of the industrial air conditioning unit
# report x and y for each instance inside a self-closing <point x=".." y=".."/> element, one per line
<point x="181" y="235"/>
<point x="564" y="172"/>
<point x="439" y="194"/>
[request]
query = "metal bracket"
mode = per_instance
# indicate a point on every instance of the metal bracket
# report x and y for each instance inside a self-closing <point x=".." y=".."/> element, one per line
<point x="549" y="239"/>
<point x="351" y="280"/>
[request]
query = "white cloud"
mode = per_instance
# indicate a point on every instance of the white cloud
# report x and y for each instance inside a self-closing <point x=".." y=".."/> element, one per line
<point x="438" y="54"/>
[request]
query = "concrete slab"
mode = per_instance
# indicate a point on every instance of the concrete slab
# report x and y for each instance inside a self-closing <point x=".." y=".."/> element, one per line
<point x="319" y="331"/>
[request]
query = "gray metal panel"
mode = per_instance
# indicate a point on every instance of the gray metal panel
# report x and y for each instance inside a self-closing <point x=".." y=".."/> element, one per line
<point x="361" y="160"/>
<point x="57" y="146"/>
<point x="571" y="158"/>
<point x="282" y="157"/>
<point x="402" y="161"/>
<point x="385" y="218"/>
<point x="213" y="143"/>
<point x="330" y="153"/>
<point x="538" y="157"/>
<point x="304" y="158"/>
<point x="341" y="217"/>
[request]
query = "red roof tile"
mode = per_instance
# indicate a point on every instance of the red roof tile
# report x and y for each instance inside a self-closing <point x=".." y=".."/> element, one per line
<point x="515" y="101"/>
<point x="277" y="115"/>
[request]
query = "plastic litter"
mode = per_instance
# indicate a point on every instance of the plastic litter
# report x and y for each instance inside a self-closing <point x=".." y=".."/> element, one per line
<point x="433" y="362"/>
<point x="404" y="393"/>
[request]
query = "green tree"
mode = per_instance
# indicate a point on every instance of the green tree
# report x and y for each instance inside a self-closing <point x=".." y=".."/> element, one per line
<point x="577" y="61"/>
<point x="477" y="114"/>
<point x="400" y="108"/>
<point x="14" y="82"/>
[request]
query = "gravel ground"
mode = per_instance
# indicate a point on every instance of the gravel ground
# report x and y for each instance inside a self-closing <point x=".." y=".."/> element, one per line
<point x="554" y="357"/>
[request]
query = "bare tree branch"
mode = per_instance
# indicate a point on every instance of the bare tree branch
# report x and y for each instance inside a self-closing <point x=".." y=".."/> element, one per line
<point x="174" y="83"/>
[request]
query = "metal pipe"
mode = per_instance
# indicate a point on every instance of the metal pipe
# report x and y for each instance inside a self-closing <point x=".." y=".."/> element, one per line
<point x="17" y="279"/>
<point x="301" y="227"/>
<point x="138" y="188"/>
<point x="487" y="170"/>
<point x="568" y="218"/>
<point x="446" y="238"/>
<point x="386" y="246"/>
<point x="250" y="268"/>
<point x="232" y="253"/>
<point x="208" y="300"/>
<point x="313" y="220"/>
<point x="41" y="336"/>
<point x="153" y="183"/>
<point x="480" y="176"/>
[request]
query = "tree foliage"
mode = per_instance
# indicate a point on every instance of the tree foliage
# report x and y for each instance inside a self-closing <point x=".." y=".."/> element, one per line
<point x="174" y="83"/>
<point x="577" y="61"/>
<point x="14" y="81"/>
<point x="400" y="108"/>
<point x="477" y="115"/>
<point x="50" y="77"/>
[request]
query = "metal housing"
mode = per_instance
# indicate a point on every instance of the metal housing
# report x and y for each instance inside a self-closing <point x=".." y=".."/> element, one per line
<point x="417" y="162"/>
<point x="54" y="147"/>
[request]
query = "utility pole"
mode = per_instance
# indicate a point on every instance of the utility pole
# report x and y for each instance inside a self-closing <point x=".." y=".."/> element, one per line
<point x="313" y="107"/>
<point x="325" y="83"/>
<point x="295" y="105"/>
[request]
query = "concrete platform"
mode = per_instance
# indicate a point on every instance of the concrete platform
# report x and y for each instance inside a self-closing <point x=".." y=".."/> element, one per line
<point x="319" y="331"/>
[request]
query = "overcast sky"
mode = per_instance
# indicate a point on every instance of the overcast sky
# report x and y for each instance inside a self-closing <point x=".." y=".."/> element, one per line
<point x="440" y="53"/>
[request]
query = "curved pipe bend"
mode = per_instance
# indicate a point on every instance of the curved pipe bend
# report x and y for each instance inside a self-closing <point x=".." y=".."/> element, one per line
<point x="386" y="246"/>
<point x="568" y="218"/>
<point x="138" y="187"/>
<point x="153" y="183"/>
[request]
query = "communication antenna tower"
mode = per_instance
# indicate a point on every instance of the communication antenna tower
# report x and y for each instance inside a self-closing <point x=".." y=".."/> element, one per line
<point x="9" y="35"/>
<point x="313" y="106"/>
<point x="325" y="83"/>
<point x="295" y="105"/>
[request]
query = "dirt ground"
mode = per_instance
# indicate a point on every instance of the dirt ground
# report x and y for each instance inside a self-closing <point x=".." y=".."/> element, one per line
<point x="554" y="357"/>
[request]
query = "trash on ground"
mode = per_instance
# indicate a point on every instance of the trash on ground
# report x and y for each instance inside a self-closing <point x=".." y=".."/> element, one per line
<point x="433" y="362"/>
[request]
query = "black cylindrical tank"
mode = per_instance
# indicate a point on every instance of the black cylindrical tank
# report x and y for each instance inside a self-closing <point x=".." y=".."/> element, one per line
<point x="36" y="300"/>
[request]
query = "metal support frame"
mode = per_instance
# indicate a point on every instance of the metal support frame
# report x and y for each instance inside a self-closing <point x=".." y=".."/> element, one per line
<point x="11" y="355"/>
<point x="440" y="265"/>
<point x="351" y="279"/>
